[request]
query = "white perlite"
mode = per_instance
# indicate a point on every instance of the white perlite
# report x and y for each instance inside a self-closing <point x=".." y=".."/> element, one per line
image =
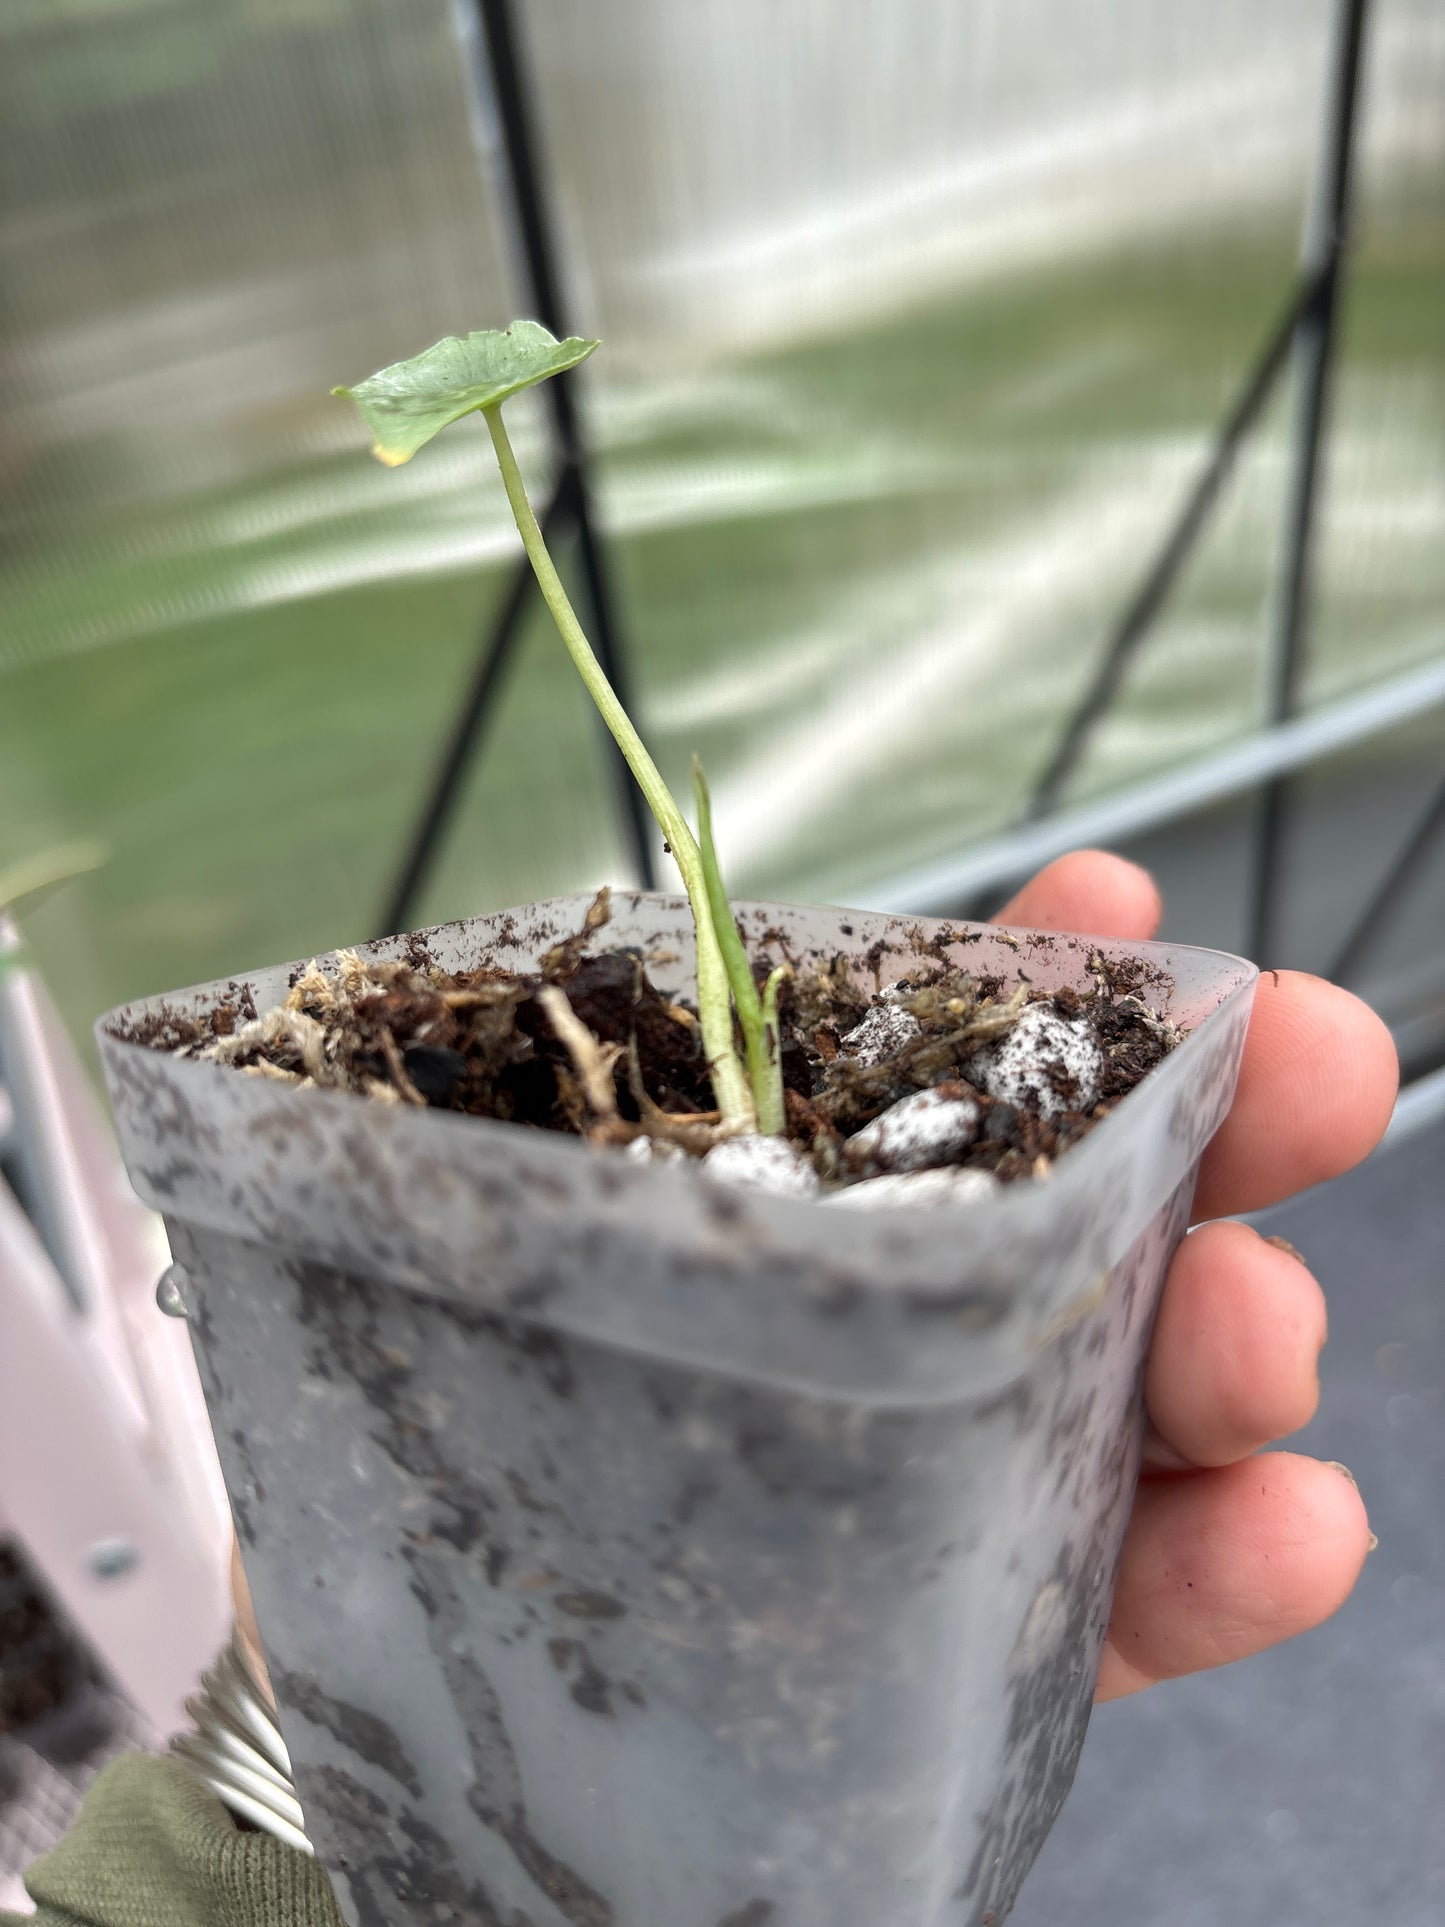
<point x="928" y="1128"/>
<point x="881" y="1035"/>
<point x="762" y="1164"/>
<point x="1047" y="1062"/>
<point x="654" y="1150"/>
<point x="951" y="1185"/>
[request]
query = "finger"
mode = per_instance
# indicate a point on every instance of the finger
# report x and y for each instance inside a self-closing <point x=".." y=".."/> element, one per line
<point x="1319" y="1073"/>
<point x="1218" y="1565"/>
<point x="1090" y="892"/>
<point x="247" y="1631"/>
<point x="1315" y="1093"/>
<point x="1235" y="1361"/>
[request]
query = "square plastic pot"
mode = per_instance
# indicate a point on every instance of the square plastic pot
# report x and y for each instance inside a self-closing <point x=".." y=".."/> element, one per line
<point x="634" y="1552"/>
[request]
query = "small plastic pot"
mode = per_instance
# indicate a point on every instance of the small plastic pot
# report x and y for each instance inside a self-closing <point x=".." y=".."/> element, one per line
<point x="634" y="1552"/>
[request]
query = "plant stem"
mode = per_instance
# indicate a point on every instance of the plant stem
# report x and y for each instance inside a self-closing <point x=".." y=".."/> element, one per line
<point x="714" y="1006"/>
<point x="765" y="1070"/>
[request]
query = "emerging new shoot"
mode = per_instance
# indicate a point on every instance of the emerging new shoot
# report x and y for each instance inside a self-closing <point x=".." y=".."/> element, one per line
<point x="757" y="1014"/>
<point x="404" y="406"/>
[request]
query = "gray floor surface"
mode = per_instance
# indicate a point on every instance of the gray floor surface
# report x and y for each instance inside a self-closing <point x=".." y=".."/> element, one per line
<point x="1305" y="1787"/>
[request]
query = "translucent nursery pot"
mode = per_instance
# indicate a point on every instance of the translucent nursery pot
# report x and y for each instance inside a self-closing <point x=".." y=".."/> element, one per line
<point x="635" y="1552"/>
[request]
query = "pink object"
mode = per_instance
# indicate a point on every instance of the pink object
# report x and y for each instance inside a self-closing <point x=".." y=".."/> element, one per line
<point x="108" y="1474"/>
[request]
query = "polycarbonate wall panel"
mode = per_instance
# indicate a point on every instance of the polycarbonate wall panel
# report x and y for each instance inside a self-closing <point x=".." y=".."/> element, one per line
<point x="1379" y="601"/>
<point x="944" y="314"/>
<point x="212" y="208"/>
<point x="933" y="332"/>
<point x="775" y="170"/>
<point x="918" y="319"/>
<point x="1380" y="595"/>
<point x="231" y="641"/>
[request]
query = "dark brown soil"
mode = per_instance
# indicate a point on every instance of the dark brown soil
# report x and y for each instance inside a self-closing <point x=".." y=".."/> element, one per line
<point x="485" y="1042"/>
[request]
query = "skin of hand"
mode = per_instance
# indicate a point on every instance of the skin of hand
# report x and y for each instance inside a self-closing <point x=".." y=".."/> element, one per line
<point x="247" y="1631"/>
<point x="1230" y="1549"/>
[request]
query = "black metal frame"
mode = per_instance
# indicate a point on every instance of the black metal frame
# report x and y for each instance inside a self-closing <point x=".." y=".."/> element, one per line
<point x="469" y="728"/>
<point x="1303" y="337"/>
<point x="1314" y="354"/>
<point x="568" y="511"/>
<point x="1149" y="598"/>
<point x="1409" y="862"/>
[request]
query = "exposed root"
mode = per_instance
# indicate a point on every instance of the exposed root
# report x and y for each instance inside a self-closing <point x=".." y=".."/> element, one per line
<point x="695" y="1131"/>
<point x="593" y="1062"/>
<point x="400" y="1078"/>
<point x="1168" y="1033"/>
<point x="288" y="1031"/>
<point x="381" y="1093"/>
<point x="263" y="1068"/>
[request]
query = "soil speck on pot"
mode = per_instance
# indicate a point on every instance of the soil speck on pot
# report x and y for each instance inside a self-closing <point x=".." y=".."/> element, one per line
<point x="590" y="1605"/>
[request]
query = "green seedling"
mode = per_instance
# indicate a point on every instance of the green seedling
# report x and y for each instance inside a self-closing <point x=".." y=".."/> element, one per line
<point x="404" y="406"/>
<point x="757" y="1012"/>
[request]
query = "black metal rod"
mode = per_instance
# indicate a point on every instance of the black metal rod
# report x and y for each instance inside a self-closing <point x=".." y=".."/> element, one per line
<point x="529" y="200"/>
<point x="538" y="254"/>
<point x="1313" y="354"/>
<point x="467" y="731"/>
<point x="1376" y="915"/>
<point x="1149" y="597"/>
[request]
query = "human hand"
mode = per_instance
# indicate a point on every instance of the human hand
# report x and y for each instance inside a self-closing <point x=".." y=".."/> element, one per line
<point x="247" y="1631"/>
<point x="1228" y="1552"/>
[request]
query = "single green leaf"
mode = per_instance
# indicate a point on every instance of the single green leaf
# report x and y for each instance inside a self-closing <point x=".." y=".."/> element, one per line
<point x="409" y="402"/>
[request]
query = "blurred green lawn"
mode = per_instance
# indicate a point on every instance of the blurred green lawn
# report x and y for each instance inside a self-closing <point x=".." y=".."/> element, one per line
<point x="255" y="758"/>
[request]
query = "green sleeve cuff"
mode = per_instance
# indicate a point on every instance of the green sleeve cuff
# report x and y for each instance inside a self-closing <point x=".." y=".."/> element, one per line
<point x="152" y="1847"/>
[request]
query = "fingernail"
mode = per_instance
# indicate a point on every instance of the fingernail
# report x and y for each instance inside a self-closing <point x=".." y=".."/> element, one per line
<point x="1345" y="1473"/>
<point x="1283" y="1244"/>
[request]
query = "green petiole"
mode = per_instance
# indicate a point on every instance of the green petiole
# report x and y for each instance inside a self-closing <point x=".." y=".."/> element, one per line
<point x="714" y="1007"/>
